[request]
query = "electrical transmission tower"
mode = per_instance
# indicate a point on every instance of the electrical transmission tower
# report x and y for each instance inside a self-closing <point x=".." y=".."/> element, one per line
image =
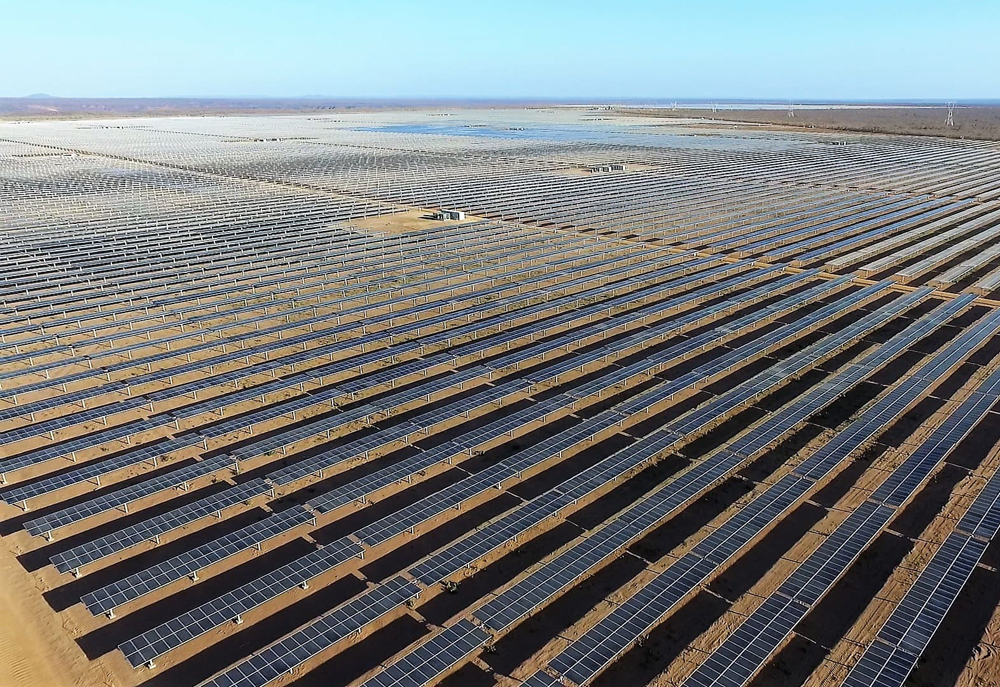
<point x="791" y="109"/>
<point x="951" y="115"/>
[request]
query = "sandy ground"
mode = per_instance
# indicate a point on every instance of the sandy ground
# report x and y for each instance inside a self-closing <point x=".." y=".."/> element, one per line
<point x="35" y="650"/>
<point x="410" y="220"/>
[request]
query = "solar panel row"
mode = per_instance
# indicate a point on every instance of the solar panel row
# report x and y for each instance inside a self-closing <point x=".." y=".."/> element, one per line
<point x="877" y="417"/>
<point x="264" y="666"/>
<point x="280" y="441"/>
<point x="743" y="653"/>
<point x="228" y="607"/>
<point x="659" y="309"/>
<point x="407" y="518"/>
<point x="153" y="528"/>
<point x="800" y="362"/>
<point x="214" y="361"/>
<point x="400" y="470"/>
<point x="452" y="298"/>
<point x="889" y="659"/>
<point x="363" y="310"/>
<point x="559" y="443"/>
<point x="426" y="664"/>
<point x="98" y="468"/>
<point x="317" y="463"/>
<point x="224" y="426"/>
<point x="652" y="363"/>
<point x="55" y="424"/>
<point x="748" y="648"/>
<point x="189" y="563"/>
<point x="237" y="421"/>
<point x="540" y="508"/>
<point x="500" y="531"/>
<point x="281" y="248"/>
<point x="122" y="497"/>
<point x="72" y="446"/>
<point x="586" y="657"/>
<point x="480" y="543"/>
<point x="576" y="303"/>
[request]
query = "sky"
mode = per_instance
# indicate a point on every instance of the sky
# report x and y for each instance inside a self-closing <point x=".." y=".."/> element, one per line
<point x="624" y="49"/>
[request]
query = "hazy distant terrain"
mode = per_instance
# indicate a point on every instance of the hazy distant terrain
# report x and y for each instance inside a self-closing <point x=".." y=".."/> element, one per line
<point x="45" y="106"/>
<point x="979" y="122"/>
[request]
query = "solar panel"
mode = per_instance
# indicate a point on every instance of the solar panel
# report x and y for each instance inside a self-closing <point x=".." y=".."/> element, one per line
<point x="890" y="406"/>
<point x="390" y="374"/>
<point x="889" y="659"/>
<point x="571" y="338"/>
<point x="455" y="494"/>
<point x="491" y="537"/>
<point x="612" y="635"/>
<point x="816" y="574"/>
<point x="263" y="271"/>
<point x="585" y="657"/>
<point x="507" y="425"/>
<point x="521" y="598"/>
<point x="922" y="609"/>
<point x="277" y="659"/>
<point x="533" y="590"/>
<point x="746" y="650"/>
<point x="733" y="534"/>
<point x="983" y="517"/>
<point x="190" y="562"/>
<point x="391" y="474"/>
<point x="882" y="666"/>
<point x="522" y="518"/>
<point x="77" y="396"/>
<point x="56" y="401"/>
<point x="314" y="427"/>
<point x="427" y="663"/>
<point x="905" y="479"/>
<point x="315" y="464"/>
<point x="152" y="528"/>
<point x="358" y="489"/>
<point x="122" y="497"/>
<point x="904" y="636"/>
<point x="650" y="364"/>
<point x="93" y="413"/>
<point x="735" y="662"/>
<point x="541" y="679"/>
<point x="425" y="389"/>
<point x="880" y="232"/>
<point x="97" y="468"/>
<point x="187" y="626"/>
<point x="286" y="408"/>
<point x="72" y="446"/>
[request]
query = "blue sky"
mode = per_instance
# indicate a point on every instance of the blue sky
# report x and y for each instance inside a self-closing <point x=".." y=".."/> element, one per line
<point x="387" y="48"/>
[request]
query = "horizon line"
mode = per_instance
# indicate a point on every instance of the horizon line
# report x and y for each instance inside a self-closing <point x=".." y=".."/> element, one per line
<point x="594" y="99"/>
